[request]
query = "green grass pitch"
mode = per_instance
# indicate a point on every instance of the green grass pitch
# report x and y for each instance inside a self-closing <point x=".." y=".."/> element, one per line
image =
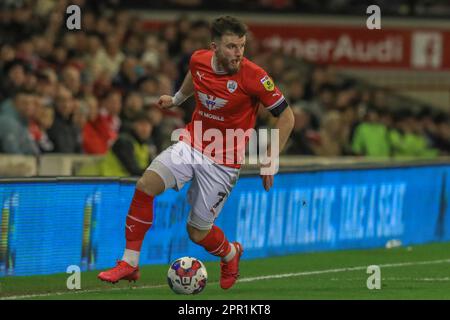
<point x="416" y="272"/>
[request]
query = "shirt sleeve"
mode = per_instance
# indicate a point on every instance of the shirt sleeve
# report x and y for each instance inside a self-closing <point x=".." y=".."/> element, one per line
<point x="193" y="61"/>
<point x="263" y="87"/>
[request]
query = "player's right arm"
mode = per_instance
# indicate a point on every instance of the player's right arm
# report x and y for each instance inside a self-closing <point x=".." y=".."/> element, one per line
<point x="186" y="90"/>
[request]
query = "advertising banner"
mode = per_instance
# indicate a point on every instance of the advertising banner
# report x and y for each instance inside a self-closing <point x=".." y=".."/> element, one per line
<point x="47" y="226"/>
<point x="349" y="45"/>
<point x="407" y="48"/>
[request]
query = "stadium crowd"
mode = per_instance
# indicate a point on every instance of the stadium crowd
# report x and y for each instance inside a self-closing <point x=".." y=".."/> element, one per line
<point x="399" y="8"/>
<point x="94" y="91"/>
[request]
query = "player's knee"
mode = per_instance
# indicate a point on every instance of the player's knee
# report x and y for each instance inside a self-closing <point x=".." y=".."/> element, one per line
<point x="141" y="185"/>
<point x="150" y="183"/>
<point x="196" y="235"/>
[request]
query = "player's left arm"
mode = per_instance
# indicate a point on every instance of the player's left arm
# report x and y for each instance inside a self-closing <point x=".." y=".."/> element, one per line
<point x="284" y="124"/>
<point x="263" y="87"/>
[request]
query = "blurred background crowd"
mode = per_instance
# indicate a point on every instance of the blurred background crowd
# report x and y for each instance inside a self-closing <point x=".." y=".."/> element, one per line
<point x="94" y="90"/>
<point x="406" y="8"/>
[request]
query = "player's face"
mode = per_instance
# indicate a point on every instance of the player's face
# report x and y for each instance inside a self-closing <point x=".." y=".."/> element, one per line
<point x="229" y="52"/>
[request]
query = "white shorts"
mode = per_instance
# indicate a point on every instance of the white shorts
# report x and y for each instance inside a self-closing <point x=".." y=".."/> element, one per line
<point x="211" y="182"/>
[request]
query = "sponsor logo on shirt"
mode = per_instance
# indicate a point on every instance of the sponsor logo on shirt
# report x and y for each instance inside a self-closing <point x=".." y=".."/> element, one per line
<point x="267" y="83"/>
<point x="211" y="116"/>
<point x="211" y="102"/>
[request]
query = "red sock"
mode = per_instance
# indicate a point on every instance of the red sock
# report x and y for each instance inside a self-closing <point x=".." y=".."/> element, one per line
<point x="139" y="219"/>
<point x="216" y="243"/>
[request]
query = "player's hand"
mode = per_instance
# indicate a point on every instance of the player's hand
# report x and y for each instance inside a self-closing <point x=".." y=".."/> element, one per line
<point x="267" y="182"/>
<point x="266" y="176"/>
<point x="165" y="102"/>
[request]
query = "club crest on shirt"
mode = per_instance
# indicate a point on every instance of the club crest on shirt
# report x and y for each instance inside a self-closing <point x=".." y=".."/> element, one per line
<point x="232" y="86"/>
<point x="267" y="83"/>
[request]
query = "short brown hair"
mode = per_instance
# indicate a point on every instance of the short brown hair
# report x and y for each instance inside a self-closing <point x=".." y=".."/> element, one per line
<point x="227" y="25"/>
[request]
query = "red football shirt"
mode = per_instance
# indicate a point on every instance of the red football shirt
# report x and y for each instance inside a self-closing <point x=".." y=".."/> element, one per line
<point x="226" y="103"/>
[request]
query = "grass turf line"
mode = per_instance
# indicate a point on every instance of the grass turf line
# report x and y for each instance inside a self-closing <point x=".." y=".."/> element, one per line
<point x="311" y="282"/>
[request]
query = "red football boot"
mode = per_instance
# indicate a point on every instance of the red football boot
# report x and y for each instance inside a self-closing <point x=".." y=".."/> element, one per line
<point x="122" y="271"/>
<point x="229" y="271"/>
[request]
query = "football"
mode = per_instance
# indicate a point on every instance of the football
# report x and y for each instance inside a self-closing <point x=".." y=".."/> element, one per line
<point x="187" y="275"/>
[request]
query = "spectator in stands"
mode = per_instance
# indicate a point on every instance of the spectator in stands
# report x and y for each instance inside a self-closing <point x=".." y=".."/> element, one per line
<point x="169" y="34"/>
<point x="7" y="54"/>
<point x="329" y="142"/>
<point x="131" y="153"/>
<point x="59" y="58"/>
<point x="406" y="139"/>
<point x="187" y="48"/>
<point x="102" y="84"/>
<point x="164" y="85"/>
<point x="277" y="67"/>
<point x="109" y="119"/>
<point x="169" y="121"/>
<point x="302" y="135"/>
<point x="104" y="26"/>
<point x="13" y="78"/>
<point x="22" y="22"/>
<point x="295" y="91"/>
<point x="200" y="34"/>
<point x="133" y="104"/>
<point x="324" y="102"/>
<point x="184" y="26"/>
<point x="110" y="59"/>
<point x="71" y="80"/>
<point x="46" y="85"/>
<point x="386" y="118"/>
<point x="371" y="136"/>
<point x="126" y="79"/>
<point x="348" y="95"/>
<point x="94" y="137"/>
<point x="442" y="138"/>
<point x="30" y="81"/>
<point x="42" y="120"/>
<point x="349" y="122"/>
<point x="430" y="127"/>
<point x="133" y="45"/>
<point x="149" y="87"/>
<point x="93" y="49"/>
<point x="15" y="137"/>
<point x="156" y="116"/>
<point x="88" y="21"/>
<point x="63" y="133"/>
<point x="379" y="99"/>
<point x="169" y="69"/>
<point x="151" y="56"/>
<point x="79" y="119"/>
<point x="319" y="78"/>
<point x="36" y="50"/>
